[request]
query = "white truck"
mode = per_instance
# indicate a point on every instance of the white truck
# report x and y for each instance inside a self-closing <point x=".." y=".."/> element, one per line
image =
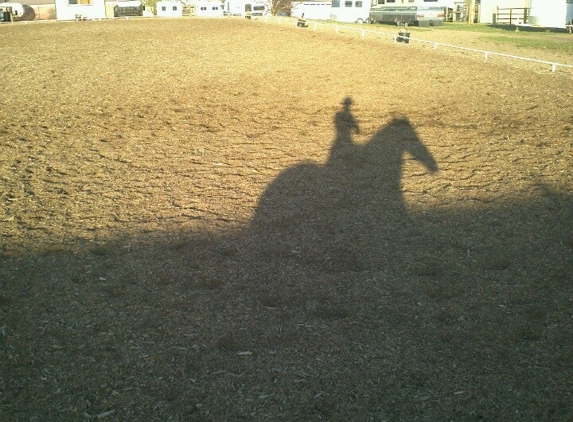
<point x="256" y="9"/>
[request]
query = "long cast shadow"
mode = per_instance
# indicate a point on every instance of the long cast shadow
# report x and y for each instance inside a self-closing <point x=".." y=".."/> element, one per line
<point x="348" y="214"/>
<point x="194" y="318"/>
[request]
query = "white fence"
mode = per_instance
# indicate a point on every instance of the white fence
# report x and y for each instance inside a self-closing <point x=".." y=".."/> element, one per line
<point x="486" y="54"/>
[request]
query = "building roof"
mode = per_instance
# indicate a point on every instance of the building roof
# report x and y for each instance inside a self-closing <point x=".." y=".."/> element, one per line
<point x="34" y="2"/>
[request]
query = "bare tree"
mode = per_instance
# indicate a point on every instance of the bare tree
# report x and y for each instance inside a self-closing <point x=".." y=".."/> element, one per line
<point x="280" y="6"/>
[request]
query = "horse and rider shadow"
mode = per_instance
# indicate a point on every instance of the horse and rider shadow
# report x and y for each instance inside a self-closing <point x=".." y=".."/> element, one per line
<point x="348" y="214"/>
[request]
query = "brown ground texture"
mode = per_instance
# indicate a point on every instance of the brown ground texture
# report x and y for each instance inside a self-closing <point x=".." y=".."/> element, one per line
<point x="224" y="220"/>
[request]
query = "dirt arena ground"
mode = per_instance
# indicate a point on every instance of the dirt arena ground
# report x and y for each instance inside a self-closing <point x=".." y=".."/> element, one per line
<point x="224" y="220"/>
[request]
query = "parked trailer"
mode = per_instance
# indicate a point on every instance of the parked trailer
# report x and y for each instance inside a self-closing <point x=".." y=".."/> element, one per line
<point x="551" y="13"/>
<point x="350" y="10"/>
<point x="11" y="11"/>
<point x="255" y="9"/>
<point x="319" y="10"/>
<point x="413" y="15"/>
<point x="128" y="8"/>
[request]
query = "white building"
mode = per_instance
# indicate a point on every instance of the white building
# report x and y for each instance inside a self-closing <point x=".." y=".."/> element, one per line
<point x="68" y="10"/>
<point x="234" y="7"/>
<point x="208" y="8"/>
<point x="169" y="9"/>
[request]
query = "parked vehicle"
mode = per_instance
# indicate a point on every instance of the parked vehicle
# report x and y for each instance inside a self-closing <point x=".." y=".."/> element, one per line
<point x="551" y="13"/>
<point x="128" y="8"/>
<point x="350" y="10"/>
<point x="319" y="10"/>
<point x="255" y="9"/>
<point x="413" y="15"/>
<point x="11" y="11"/>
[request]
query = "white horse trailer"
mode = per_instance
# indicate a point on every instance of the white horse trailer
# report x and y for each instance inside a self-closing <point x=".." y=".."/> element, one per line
<point x="359" y="10"/>
<point x="412" y="15"/>
<point x="551" y="13"/>
<point x="256" y="8"/>
<point x="318" y="10"/>
<point x="350" y="10"/>
<point x="15" y="9"/>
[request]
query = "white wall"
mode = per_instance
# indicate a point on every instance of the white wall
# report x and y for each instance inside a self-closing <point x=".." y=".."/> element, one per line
<point x="208" y="8"/>
<point x="312" y="10"/>
<point x="169" y="9"/>
<point x="488" y="8"/>
<point x="550" y="13"/>
<point x="235" y="7"/>
<point x="68" y="12"/>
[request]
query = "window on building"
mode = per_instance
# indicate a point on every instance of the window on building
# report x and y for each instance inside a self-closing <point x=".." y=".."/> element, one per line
<point x="348" y="3"/>
<point x="80" y="2"/>
<point x="358" y="4"/>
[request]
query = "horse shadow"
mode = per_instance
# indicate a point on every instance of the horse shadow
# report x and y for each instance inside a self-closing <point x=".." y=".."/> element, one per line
<point x="348" y="214"/>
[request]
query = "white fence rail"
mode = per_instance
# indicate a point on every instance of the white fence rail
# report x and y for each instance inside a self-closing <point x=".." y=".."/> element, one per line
<point x="363" y="32"/>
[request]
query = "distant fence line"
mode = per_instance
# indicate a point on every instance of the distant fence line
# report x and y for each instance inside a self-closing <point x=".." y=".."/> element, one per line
<point x="394" y="36"/>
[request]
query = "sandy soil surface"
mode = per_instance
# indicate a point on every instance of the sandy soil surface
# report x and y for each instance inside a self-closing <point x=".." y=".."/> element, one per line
<point x="232" y="220"/>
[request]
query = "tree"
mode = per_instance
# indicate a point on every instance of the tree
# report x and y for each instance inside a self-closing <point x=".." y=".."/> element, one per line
<point x="150" y="4"/>
<point x="280" y="6"/>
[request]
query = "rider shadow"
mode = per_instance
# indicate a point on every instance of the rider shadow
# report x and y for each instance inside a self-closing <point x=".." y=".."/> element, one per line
<point x="348" y="214"/>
